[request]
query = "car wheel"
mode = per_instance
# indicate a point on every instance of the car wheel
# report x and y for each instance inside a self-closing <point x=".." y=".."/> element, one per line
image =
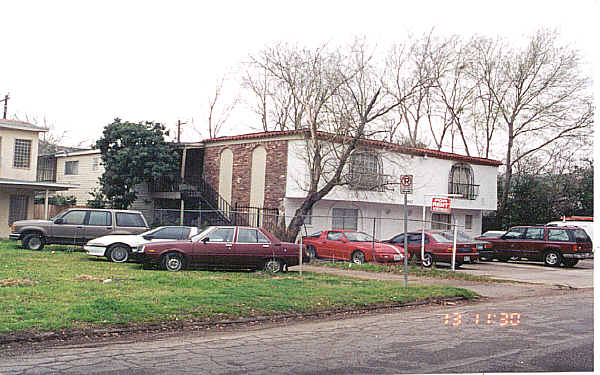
<point x="515" y="258"/>
<point x="118" y="254"/>
<point x="173" y="262"/>
<point x="427" y="260"/>
<point x="273" y="266"/>
<point x="358" y="257"/>
<point x="312" y="252"/>
<point x="503" y="259"/>
<point x="552" y="258"/>
<point x="458" y="264"/>
<point x="33" y="241"/>
<point x="570" y="262"/>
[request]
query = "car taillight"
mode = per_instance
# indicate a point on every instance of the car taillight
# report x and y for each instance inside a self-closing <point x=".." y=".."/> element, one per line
<point x="449" y="249"/>
<point x="574" y="247"/>
<point x="12" y="228"/>
<point x="488" y="246"/>
<point x="475" y="249"/>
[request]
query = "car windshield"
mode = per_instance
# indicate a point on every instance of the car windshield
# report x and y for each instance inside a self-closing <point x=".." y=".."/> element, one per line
<point x="439" y="237"/>
<point x="200" y="235"/>
<point x="358" y="237"/>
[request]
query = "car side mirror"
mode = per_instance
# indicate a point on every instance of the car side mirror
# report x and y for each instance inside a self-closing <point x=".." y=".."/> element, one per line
<point x="148" y="237"/>
<point x="205" y="239"/>
<point x="343" y="240"/>
<point x="58" y="221"/>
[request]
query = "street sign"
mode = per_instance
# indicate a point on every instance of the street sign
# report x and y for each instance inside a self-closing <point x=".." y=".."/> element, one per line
<point x="440" y="205"/>
<point x="406" y="183"/>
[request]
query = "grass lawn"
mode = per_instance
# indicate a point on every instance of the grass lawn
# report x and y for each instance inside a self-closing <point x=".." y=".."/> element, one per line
<point x="57" y="288"/>
<point x="399" y="269"/>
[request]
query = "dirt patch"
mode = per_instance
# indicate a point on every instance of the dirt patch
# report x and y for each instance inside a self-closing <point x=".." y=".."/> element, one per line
<point x="16" y="282"/>
<point x="89" y="278"/>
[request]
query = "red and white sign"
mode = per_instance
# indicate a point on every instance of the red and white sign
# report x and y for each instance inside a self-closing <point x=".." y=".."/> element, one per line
<point x="440" y="205"/>
<point x="407" y="184"/>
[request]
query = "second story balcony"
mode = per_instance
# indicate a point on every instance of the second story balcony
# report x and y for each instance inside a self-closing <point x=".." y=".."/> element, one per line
<point x="468" y="191"/>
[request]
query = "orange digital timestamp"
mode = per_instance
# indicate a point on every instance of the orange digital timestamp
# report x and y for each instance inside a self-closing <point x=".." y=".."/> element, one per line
<point x="502" y="319"/>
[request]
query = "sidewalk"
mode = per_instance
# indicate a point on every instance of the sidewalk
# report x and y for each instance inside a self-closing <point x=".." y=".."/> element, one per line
<point x="485" y="289"/>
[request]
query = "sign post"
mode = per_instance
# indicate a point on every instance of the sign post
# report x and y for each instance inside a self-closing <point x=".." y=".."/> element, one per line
<point x="406" y="182"/>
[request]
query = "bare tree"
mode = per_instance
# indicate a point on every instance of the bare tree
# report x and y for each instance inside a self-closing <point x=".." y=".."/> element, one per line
<point x="539" y="94"/>
<point x="340" y="96"/>
<point x="219" y="110"/>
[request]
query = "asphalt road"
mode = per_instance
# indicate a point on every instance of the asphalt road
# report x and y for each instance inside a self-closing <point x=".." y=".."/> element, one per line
<point x="553" y="333"/>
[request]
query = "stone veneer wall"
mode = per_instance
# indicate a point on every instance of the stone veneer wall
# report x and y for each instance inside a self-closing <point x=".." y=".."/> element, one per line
<point x="275" y="177"/>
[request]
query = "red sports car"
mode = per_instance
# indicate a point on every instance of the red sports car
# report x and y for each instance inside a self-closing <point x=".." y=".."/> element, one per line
<point x="438" y="247"/>
<point x="350" y="245"/>
<point x="223" y="247"/>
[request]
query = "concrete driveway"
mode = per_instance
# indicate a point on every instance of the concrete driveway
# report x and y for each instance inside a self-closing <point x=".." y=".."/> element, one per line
<point x="580" y="276"/>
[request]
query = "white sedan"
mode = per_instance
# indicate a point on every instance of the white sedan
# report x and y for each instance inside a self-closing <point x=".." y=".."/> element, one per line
<point x="119" y="247"/>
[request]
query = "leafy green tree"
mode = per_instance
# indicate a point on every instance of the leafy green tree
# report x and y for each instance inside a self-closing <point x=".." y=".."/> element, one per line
<point x="132" y="154"/>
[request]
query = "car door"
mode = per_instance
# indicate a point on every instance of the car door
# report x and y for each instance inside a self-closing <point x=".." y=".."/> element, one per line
<point x="215" y="248"/>
<point x="333" y="248"/>
<point x="510" y="243"/>
<point x="69" y="229"/>
<point x="251" y="248"/>
<point x="98" y="224"/>
<point x="533" y="244"/>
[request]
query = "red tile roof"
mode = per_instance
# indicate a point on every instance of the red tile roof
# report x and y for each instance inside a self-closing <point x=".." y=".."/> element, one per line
<point x="379" y="144"/>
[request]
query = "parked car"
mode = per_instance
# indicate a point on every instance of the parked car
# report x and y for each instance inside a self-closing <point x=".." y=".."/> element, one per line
<point x="552" y="245"/>
<point x="76" y="226"/>
<point x="351" y="245"/>
<point x="490" y="233"/>
<point x="226" y="247"/>
<point x="485" y="249"/>
<point x="119" y="247"/>
<point x="438" y="247"/>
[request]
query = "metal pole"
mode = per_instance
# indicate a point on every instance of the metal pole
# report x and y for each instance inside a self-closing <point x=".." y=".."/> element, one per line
<point x="423" y="234"/>
<point x="300" y="253"/>
<point x="373" y="245"/>
<point x="454" y="246"/>
<point x="405" y="241"/>
<point x="46" y="206"/>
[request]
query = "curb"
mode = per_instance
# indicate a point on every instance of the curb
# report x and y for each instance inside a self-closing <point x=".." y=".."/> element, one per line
<point x="179" y="325"/>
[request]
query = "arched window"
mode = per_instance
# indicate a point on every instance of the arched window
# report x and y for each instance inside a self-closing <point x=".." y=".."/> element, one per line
<point x="365" y="171"/>
<point x="461" y="181"/>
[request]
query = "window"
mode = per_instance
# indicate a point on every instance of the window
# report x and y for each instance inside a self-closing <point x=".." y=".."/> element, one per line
<point x="22" y="153"/>
<point x="315" y="235"/>
<point x="440" y="221"/>
<point x="514" y="233"/>
<point x="221" y="235"/>
<point x="534" y="234"/>
<point x="125" y="219"/>
<point x="17" y="209"/>
<point x="345" y="218"/>
<point x="72" y="167"/>
<point x="461" y="182"/>
<point x="251" y="236"/>
<point x="95" y="164"/>
<point x="74" y="217"/>
<point x="171" y="233"/>
<point x="468" y="221"/>
<point x="558" y="235"/>
<point x="334" y="236"/>
<point x="581" y="236"/>
<point x="365" y="172"/>
<point x="398" y="239"/>
<point x="100" y="218"/>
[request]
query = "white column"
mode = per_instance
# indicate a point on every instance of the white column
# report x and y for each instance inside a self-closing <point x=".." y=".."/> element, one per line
<point x="46" y="206"/>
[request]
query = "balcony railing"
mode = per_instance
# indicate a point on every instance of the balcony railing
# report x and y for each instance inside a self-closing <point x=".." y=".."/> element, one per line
<point x="367" y="181"/>
<point x="468" y="191"/>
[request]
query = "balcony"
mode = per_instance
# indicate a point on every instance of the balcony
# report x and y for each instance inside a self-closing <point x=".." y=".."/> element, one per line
<point x="367" y="181"/>
<point x="468" y="191"/>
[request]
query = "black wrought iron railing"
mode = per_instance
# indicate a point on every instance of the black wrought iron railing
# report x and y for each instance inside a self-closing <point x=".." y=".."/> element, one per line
<point x="367" y="181"/>
<point x="468" y="191"/>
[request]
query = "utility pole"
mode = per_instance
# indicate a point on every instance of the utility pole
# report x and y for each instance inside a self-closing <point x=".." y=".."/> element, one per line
<point x="5" y="100"/>
<point x="179" y="123"/>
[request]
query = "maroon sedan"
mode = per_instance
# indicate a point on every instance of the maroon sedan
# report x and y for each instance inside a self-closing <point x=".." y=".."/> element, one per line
<point x="438" y="247"/>
<point x="224" y="247"/>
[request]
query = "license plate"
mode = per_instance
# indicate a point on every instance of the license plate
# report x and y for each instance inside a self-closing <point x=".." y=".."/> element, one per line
<point x="397" y="257"/>
<point x="467" y="259"/>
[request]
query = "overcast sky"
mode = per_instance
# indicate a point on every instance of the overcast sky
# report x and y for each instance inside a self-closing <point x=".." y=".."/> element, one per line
<point x="80" y="64"/>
